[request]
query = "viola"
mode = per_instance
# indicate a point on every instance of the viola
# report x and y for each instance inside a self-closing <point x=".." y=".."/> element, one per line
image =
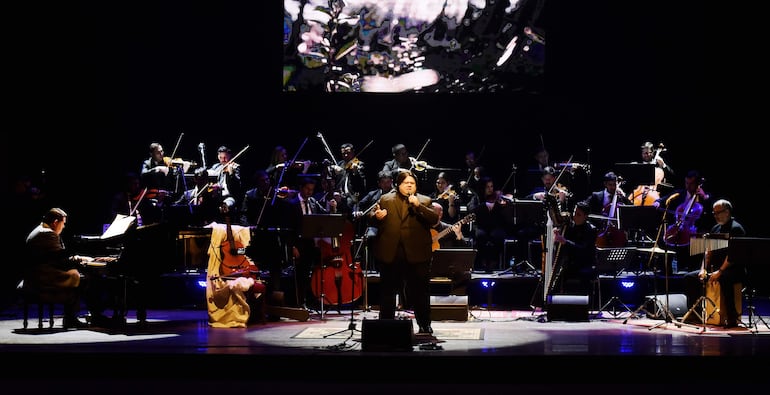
<point x="338" y="280"/>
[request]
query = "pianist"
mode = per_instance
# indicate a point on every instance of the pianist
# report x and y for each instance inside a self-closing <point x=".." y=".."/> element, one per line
<point x="51" y="266"/>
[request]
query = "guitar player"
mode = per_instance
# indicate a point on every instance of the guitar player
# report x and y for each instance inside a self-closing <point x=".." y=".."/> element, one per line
<point x="452" y="239"/>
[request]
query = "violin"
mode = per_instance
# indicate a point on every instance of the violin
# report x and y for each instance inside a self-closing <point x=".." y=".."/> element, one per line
<point x="559" y="188"/>
<point x="178" y="162"/>
<point x="418" y="165"/>
<point x="353" y="164"/>
<point x="447" y="193"/>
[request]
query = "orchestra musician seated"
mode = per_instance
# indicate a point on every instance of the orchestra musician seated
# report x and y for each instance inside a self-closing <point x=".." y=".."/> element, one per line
<point x="717" y="268"/>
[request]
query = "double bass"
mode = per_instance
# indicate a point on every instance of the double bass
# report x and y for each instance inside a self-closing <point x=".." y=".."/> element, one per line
<point x="338" y="280"/>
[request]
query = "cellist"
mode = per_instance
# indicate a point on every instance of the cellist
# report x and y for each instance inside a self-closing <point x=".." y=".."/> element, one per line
<point x="604" y="204"/>
<point x="684" y="207"/>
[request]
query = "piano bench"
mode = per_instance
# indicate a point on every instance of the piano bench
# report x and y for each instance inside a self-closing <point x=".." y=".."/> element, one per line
<point x="43" y="298"/>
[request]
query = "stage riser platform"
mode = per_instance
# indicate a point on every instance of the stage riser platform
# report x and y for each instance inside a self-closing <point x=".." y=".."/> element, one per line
<point x="490" y="291"/>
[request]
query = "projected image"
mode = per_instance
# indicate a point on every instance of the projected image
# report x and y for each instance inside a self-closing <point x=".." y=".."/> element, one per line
<point x="413" y="46"/>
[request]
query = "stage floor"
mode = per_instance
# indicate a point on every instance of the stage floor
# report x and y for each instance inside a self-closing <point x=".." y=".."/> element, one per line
<point x="494" y="348"/>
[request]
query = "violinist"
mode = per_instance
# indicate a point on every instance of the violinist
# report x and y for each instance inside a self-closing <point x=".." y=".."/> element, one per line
<point x="576" y="253"/>
<point x="274" y="222"/>
<point x="447" y="198"/>
<point x="157" y="176"/>
<point x="400" y="161"/>
<point x="227" y="176"/>
<point x="684" y="207"/>
<point x="493" y="224"/>
<point x="281" y="168"/>
<point x="130" y="201"/>
<point x="350" y="175"/>
<point x="549" y="186"/>
<point x="203" y="200"/>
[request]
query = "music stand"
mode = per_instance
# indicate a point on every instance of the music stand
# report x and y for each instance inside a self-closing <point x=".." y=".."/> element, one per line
<point x="322" y="226"/>
<point x="753" y="253"/>
<point x="527" y="211"/>
<point x="615" y="260"/>
<point x="636" y="173"/>
<point x="639" y="220"/>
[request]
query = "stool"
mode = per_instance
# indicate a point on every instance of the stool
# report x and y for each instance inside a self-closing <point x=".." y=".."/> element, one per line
<point x="43" y="298"/>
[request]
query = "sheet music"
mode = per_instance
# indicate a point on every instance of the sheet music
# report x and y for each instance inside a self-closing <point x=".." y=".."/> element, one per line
<point x="119" y="226"/>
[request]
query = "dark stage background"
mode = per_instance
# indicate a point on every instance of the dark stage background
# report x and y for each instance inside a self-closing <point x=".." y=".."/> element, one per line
<point x="93" y="85"/>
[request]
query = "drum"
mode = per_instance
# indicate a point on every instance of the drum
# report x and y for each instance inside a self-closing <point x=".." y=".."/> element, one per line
<point x="716" y="312"/>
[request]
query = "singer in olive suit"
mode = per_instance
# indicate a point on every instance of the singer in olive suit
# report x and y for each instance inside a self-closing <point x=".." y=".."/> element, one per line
<point x="402" y="249"/>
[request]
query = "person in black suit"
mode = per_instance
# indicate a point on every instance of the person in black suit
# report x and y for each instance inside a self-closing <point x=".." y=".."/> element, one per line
<point x="600" y="203"/>
<point x="576" y="253"/>
<point x="52" y="268"/>
<point x="402" y="249"/>
<point x="684" y="209"/>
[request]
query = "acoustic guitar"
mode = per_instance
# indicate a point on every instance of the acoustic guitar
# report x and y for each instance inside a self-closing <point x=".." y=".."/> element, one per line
<point x="438" y="235"/>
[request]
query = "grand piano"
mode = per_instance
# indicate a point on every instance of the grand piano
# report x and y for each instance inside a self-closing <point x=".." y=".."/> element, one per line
<point x="143" y="254"/>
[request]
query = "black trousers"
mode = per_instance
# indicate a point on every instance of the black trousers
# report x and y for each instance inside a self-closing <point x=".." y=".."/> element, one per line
<point x="413" y="279"/>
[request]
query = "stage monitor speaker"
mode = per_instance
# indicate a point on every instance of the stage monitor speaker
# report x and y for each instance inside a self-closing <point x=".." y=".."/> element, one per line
<point x="386" y="335"/>
<point x="567" y="308"/>
<point x="449" y="308"/>
<point x="677" y="305"/>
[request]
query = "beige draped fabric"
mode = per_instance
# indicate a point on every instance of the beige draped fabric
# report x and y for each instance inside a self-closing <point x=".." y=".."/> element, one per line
<point x="226" y="299"/>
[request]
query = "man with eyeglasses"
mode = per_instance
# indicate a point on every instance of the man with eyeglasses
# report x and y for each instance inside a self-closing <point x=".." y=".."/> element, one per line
<point x="717" y="265"/>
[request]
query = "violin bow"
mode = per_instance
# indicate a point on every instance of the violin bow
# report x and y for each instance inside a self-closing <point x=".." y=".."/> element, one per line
<point x="417" y="158"/>
<point x="283" y="170"/>
<point x="176" y="146"/>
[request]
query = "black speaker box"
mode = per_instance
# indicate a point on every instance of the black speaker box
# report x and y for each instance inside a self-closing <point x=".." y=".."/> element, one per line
<point x="567" y="308"/>
<point x="386" y="335"/>
<point x="677" y="305"/>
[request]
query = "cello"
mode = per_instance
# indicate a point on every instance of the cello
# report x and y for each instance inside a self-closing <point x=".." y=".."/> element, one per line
<point x="611" y="236"/>
<point x="337" y="272"/>
<point x="646" y="195"/>
<point x="678" y="233"/>
<point x="235" y="263"/>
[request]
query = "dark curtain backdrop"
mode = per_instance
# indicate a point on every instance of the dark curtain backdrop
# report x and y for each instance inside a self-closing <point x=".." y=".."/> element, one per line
<point x="93" y="84"/>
